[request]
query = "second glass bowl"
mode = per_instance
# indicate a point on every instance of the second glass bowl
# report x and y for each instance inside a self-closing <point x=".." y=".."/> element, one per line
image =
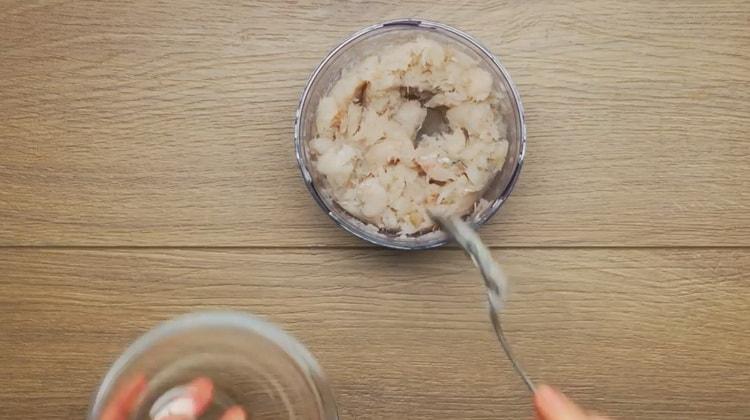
<point x="359" y="46"/>
<point x="251" y="363"/>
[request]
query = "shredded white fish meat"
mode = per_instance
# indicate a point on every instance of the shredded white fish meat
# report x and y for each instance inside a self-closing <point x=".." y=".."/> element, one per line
<point x="367" y="150"/>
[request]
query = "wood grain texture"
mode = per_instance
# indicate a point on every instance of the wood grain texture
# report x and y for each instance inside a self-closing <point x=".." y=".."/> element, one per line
<point x="640" y="334"/>
<point x="170" y="123"/>
<point x="154" y="127"/>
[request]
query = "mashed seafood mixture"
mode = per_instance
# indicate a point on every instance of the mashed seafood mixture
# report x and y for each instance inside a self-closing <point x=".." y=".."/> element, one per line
<point x="413" y="128"/>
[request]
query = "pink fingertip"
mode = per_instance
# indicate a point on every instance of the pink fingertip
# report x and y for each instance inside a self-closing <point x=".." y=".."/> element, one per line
<point x="201" y="390"/>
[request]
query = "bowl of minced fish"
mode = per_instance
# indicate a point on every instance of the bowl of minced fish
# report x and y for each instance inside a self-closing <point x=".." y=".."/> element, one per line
<point x="404" y="120"/>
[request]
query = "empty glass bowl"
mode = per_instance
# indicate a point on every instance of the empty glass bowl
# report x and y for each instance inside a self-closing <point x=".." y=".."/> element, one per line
<point x="365" y="43"/>
<point x="250" y="363"/>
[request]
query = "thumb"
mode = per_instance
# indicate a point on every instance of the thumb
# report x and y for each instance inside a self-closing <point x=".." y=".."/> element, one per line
<point x="551" y="404"/>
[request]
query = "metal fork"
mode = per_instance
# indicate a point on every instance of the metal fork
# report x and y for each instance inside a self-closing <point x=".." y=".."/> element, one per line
<point x="494" y="280"/>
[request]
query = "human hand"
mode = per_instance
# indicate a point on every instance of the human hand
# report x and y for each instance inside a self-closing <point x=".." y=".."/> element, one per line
<point x="181" y="403"/>
<point x="552" y="404"/>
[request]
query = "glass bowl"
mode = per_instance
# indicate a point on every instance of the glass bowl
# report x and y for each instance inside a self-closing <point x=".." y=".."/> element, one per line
<point x="359" y="46"/>
<point x="250" y="362"/>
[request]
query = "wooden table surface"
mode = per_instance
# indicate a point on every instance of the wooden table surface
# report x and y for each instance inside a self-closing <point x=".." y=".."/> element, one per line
<point x="147" y="170"/>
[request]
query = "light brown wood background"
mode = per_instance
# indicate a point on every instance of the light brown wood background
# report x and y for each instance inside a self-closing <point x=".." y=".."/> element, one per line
<point x="147" y="170"/>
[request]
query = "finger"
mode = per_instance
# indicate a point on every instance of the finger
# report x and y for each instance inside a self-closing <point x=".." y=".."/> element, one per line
<point x="554" y="405"/>
<point x="201" y="391"/>
<point x="234" y="413"/>
<point x="125" y="398"/>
